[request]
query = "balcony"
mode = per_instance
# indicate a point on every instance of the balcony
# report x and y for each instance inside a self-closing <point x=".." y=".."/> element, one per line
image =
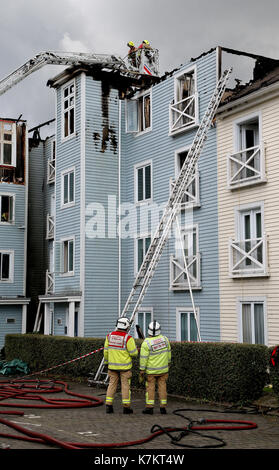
<point x="248" y="258"/>
<point x="191" y="195"/>
<point x="51" y="170"/>
<point x="49" y="282"/>
<point x="178" y="272"/>
<point x="50" y="227"/>
<point x="246" y="167"/>
<point x="183" y="114"/>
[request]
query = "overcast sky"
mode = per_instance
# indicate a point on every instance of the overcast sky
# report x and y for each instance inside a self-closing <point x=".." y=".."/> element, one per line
<point x="180" y="29"/>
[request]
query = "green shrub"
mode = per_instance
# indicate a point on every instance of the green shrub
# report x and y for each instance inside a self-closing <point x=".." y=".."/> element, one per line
<point x="211" y="371"/>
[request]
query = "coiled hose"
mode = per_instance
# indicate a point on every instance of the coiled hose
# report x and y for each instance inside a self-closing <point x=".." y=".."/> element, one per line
<point x="34" y="390"/>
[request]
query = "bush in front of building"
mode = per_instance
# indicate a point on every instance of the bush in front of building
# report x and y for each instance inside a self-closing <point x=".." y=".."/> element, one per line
<point x="223" y="372"/>
<point x="41" y="352"/>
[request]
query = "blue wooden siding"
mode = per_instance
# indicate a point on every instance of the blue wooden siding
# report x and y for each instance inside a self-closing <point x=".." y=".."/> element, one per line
<point x="158" y="146"/>
<point x="12" y="237"/>
<point x="101" y="181"/>
<point x="67" y="219"/>
<point x="11" y="312"/>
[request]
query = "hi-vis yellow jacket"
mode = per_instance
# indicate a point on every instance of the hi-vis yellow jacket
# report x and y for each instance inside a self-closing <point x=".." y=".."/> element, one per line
<point x="155" y="355"/>
<point x="119" y="349"/>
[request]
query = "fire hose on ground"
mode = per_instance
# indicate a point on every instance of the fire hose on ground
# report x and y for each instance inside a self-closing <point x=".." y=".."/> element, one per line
<point x="34" y="390"/>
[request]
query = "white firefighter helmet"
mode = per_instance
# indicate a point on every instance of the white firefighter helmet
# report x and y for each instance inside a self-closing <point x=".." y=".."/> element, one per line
<point x="154" y="328"/>
<point x="122" y="323"/>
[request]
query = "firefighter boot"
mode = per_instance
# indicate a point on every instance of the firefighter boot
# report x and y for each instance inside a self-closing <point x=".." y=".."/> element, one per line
<point x="109" y="409"/>
<point x="127" y="411"/>
<point x="163" y="411"/>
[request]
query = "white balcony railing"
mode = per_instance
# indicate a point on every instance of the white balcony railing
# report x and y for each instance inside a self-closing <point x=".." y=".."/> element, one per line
<point x="248" y="258"/>
<point x="49" y="282"/>
<point x="191" y="196"/>
<point x="246" y="167"/>
<point x="178" y="272"/>
<point x="51" y="170"/>
<point x="183" y="113"/>
<point x="50" y="227"/>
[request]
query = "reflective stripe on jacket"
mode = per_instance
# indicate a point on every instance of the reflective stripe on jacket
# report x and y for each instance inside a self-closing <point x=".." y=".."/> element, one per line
<point x="155" y="355"/>
<point x="119" y="349"/>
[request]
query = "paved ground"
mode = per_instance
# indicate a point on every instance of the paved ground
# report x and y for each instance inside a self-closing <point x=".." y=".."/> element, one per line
<point x="93" y="425"/>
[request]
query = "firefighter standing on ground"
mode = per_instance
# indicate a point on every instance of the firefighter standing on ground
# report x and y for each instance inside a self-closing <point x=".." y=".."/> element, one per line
<point x="119" y="349"/>
<point x="155" y="357"/>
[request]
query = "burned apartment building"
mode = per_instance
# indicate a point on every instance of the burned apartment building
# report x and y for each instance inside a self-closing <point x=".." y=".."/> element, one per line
<point x="13" y="226"/>
<point x="118" y="146"/>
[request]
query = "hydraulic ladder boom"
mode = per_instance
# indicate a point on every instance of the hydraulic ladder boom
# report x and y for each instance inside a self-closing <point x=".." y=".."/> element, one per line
<point x="59" y="58"/>
<point x="160" y="237"/>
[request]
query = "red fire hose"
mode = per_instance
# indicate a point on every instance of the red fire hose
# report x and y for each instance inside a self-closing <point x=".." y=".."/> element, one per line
<point x="32" y="390"/>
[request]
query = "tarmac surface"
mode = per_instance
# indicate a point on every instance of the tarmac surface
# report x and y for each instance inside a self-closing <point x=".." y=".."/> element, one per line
<point x="93" y="426"/>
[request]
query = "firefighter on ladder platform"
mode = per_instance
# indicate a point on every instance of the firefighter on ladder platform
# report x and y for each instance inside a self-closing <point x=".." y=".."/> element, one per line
<point x="119" y="349"/>
<point x="155" y="357"/>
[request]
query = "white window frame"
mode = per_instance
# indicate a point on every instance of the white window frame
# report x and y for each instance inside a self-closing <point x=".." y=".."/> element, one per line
<point x="62" y="242"/>
<point x="143" y="310"/>
<point x="251" y="300"/>
<point x="176" y="77"/>
<point x="63" y="99"/>
<point x="188" y="310"/>
<point x="143" y="236"/>
<point x="12" y="143"/>
<point x="12" y="221"/>
<point x="63" y="174"/>
<point x="137" y="132"/>
<point x="174" y="258"/>
<point x="11" y="267"/>
<point x="136" y="168"/>
<point x="197" y="177"/>
<point x="237" y="144"/>
<point x="239" y="211"/>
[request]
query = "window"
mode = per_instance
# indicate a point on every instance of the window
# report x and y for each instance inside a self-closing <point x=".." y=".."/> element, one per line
<point x="68" y="256"/>
<point x="7" y="143"/>
<point x="191" y="195"/>
<point x="186" y="324"/>
<point x="252" y="321"/>
<point x="7" y="208"/>
<point x="178" y="277"/>
<point x="143" y="185"/>
<point x="142" y="245"/>
<point x="246" y="165"/>
<point x="68" y="187"/>
<point x="68" y="110"/>
<point x="138" y="113"/>
<point x="248" y="254"/>
<point x="144" y="317"/>
<point x="184" y="107"/>
<point x="6" y="266"/>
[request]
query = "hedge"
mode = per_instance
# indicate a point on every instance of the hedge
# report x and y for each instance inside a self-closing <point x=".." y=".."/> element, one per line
<point x="211" y="371"/>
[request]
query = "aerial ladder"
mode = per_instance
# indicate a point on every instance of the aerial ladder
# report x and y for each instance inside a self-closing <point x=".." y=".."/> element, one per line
<point x="170" y="215"/>
<point x="105" y="61"/>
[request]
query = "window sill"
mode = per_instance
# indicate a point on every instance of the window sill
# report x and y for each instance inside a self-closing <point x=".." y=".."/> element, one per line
<point x="66" y="206"/>
<point x="69" y="137"/>
<point x="145" y="202"/>
<point x="146" y="131"/>
<point x="68" y="274"/>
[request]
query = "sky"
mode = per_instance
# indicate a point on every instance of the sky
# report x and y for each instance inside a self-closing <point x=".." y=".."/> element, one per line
<point x="179" y="29"/>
